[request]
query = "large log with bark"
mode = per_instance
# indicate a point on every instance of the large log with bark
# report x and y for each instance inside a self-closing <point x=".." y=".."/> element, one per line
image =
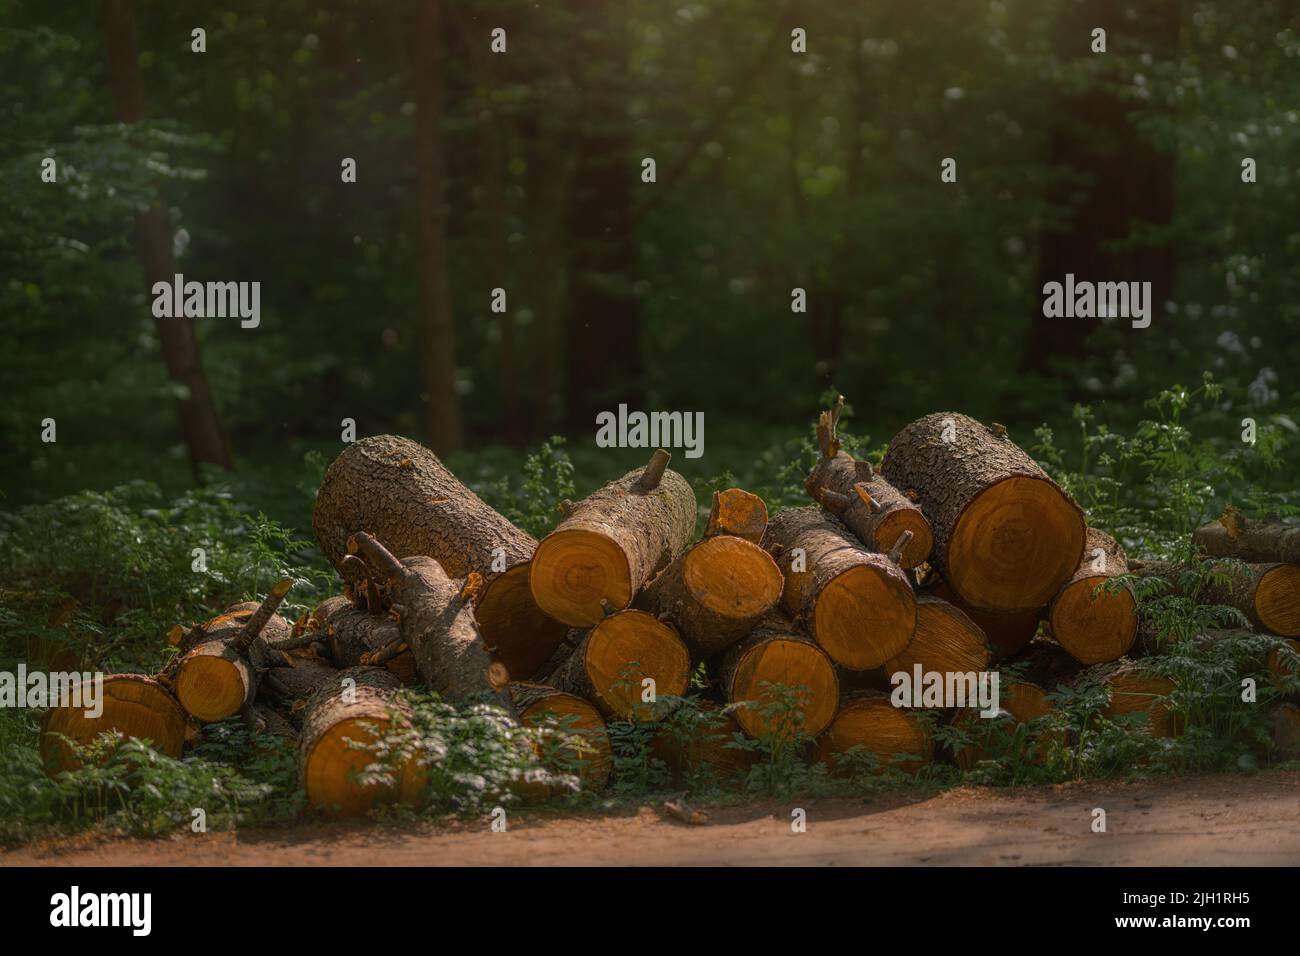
<point x="946" y="641"/>
<point x="894" y="735"/>
<point x="856" y="604"/>
<point x="718" y="589"/>
<point x="436" y="621"/>
<point x="343" y="724"/>
<point x="612" y="543"/>
<point x="1267" y="594"/>
<point x="134" y="705"/>
<point x="777" y="653"/>
<point x="1256" y="542"/>
<point x="1006" y="537"/>
<point x="611" y="661"/>
<point x="873" y="509"/>
<point x="583" y="748"/>
<point x="217" y="674"/>
<point x="1093" y="624"/>
<point x="398" y="491"/>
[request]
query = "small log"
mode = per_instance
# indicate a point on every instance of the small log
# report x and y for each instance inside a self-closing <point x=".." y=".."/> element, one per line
<point x="714" y="593"/>
<point x="610" y="662"/>
<point x="1267" y="594"/>
<point x="1007" y="634"/>
<point x="776" y="652"/>
<point x="217" y="677"/>
<point x="701" y="748"/>
<point x="132" y="704"/>
<point x="1133" y="689"/>
<point x="1255" y="542"/>
<point x="398" y="491"/>
<point x="612" y="543"/>
<point x="867" y="719"/>
<point x="1006" y="537"/>
<point x="873" y="509"/>
<point x="946" y="641"/>
<point x="1020" y="702"/>
<point x="1283" y="666"/>
<point x="1094" y="625"/>
<point x="436" y="620"/>
<point x="856" y="604"/>
<point x="343" y="722"/>
<point x="356" y="638"/>
<point x="739" y="513"/>
<point x="542" y="706"/>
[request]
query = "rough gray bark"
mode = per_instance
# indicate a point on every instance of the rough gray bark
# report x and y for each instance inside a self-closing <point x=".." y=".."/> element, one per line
<point x="1020" y="545"/>
<point x="398" y="491"/>
<point x="1250" y="541"/>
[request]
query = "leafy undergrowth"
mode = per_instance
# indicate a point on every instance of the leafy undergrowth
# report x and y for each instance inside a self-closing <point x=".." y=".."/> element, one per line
<point x="95" y="579"/>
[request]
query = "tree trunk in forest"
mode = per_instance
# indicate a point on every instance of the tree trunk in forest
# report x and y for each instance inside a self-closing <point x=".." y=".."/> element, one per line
<point x="856" y="604"/>
<point x="1251" y="541"/>
<point x="400" y="492"/>
<point x="133" y="704"/>
<point x="200" y="424"/>
<point x="437" y="323"/>
<point x="894" y="735"/>
<point x="873" y="509"/>
<point x="1006" y="537"/>
<point x="1126" y="180"/>
<point x="1095" y="625"/>
<point x="946" y="641"/>
<point x="612" y="543"/>
<point x="343" y="722"/>
<point x="436" y="620"/>
<point x="603" y="344"/>
<point x="717" y="590"/>
<point x="776" y="652"/>
<point x="612" y="660"/>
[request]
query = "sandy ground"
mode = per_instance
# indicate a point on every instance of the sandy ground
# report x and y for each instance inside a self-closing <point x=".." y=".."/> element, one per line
<point x="1212" y="820"/>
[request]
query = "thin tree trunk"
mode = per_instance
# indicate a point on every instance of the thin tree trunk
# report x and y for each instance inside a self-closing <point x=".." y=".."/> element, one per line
<point x="200" y="424"/>
<point x="436" y="320"/>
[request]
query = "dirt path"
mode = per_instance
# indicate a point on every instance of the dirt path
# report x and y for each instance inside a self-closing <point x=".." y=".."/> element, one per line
<point x="1221" y="820"/>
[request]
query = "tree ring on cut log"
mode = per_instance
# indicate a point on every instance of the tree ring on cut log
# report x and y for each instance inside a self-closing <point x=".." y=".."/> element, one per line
<point x="946" y="641"/>
<point x="332" y="764"/>
<point x="751" y="581"/>
<point x="507" y="613"/>
<point x="791" y="662"/>
<point x="213" y="682"/>
<point x="133" y="704"/>
<point x="626" y="648"/>
<point x="575" y="717"/>
<point x="1101" y="625"/>
<point x="874" y="723"/>
<point x="1133" y="692"/>
<point x="862" y="617"/>
<point x="893" y="525"/>
<point x="1014" y="545"/>
<point x="1277" y="600"/>
<point x="581" y="569"/>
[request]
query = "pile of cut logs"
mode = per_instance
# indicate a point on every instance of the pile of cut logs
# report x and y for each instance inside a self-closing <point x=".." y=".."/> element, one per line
<point x="957" y="554"/>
